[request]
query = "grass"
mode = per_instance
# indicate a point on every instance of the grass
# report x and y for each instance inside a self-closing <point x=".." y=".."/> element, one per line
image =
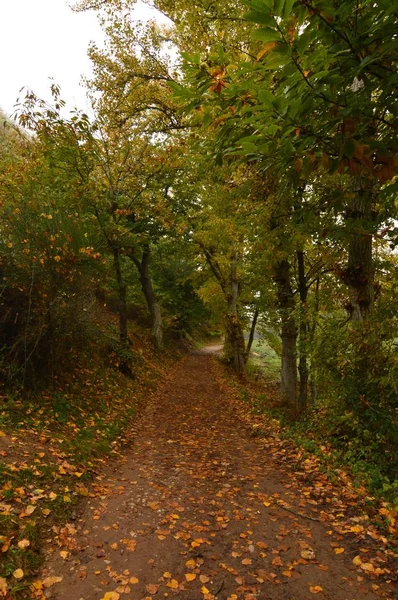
<point x="264" y="359"/>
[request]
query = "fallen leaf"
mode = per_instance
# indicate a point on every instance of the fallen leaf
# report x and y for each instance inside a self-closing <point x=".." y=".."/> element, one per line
<point x="191" y="563"/>
<point x="23" y="544"/>
<point x="173" y="584"/>
<point x="133" y="580"/>
<point x="111" y="596"/>
<point x="18" y="574"/>
<point x="152" y="588"/>
<point x="204" y="578"/>
<point x="50" y="581"/>
<point x="339" y="550"/>
<point x="316" y="589"/>
<point x="3" y="585"/>
<point x="204" y="590"/>
<point x="190" y="576"/>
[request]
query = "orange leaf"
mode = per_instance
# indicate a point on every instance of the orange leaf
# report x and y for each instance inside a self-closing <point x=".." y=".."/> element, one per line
<point x="190" y="576"/>
<point x="191" y="563"/>
<point x="315" y="589"/>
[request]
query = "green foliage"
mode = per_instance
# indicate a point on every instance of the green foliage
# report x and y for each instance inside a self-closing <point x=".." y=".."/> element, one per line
<point x="357" y="370"/>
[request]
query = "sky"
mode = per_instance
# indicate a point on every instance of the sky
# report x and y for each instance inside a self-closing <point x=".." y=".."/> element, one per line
<point x="40" y="39"/>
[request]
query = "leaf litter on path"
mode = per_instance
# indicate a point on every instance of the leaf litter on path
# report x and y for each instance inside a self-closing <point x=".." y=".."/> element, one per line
<point x="200" y="508"/>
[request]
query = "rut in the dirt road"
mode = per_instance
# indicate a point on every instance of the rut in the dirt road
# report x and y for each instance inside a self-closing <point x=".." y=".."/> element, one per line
<point x="201" y="509"/>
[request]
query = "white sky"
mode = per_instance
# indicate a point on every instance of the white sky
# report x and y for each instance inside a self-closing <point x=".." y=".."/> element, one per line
<point x="40" y="39"/>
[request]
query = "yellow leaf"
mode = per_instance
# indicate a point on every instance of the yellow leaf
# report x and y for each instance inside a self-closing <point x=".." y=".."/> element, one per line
<point x="287" y="573"/>
<point x="190" y="576"/>
<point x="50" y="581"/>
<point x="18" y="574"/>
<point x="111" y="596"/>
<point x="204" y="590"/>
<point x="357" y="528"/>
<point x="339" y="550"/>
<point x="357" y="561"/>
<point x="23" y="544"/>
<point x="64" y="554"/>
<point x="133" y="580"/>
<point x="37" y="585"/>
<point x="367" y="567"/>
<point x="167" y="575"/>
<point x="315" y="589"/>
<point x="266" y="49"/>
<point x="173" y="584"/>
<point x="30" y="509"/>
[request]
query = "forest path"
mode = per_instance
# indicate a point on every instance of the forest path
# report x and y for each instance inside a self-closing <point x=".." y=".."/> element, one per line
<point x="201" y="508"/>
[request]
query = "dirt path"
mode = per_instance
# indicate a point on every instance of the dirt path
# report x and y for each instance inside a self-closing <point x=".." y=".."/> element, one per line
<point x="201" y="509"/>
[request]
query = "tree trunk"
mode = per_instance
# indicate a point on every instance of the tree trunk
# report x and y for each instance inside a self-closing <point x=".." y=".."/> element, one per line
<point x="311" y="340"/>
<point x="359" y="275"/>
<point x="303" y="335"/>
<point x="234" y="347"/>
<point x="124" y="365"/>
<point x="234" y="333"/>
<point x="252" y="332"/>
<point x="150" y="296"/>
<point x="288" y="334"/>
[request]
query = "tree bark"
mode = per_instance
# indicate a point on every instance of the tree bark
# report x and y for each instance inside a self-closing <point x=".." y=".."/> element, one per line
<point x="150" y="296"/>
<point x="234" y="348"/>
<point x="288" y="333"/>
<point x="252" y="332"/>
<point x="124" y="365"/>
<point x="234" y="333"/>
<point x="303" y="335"/>
<point x="359" y="274"/>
